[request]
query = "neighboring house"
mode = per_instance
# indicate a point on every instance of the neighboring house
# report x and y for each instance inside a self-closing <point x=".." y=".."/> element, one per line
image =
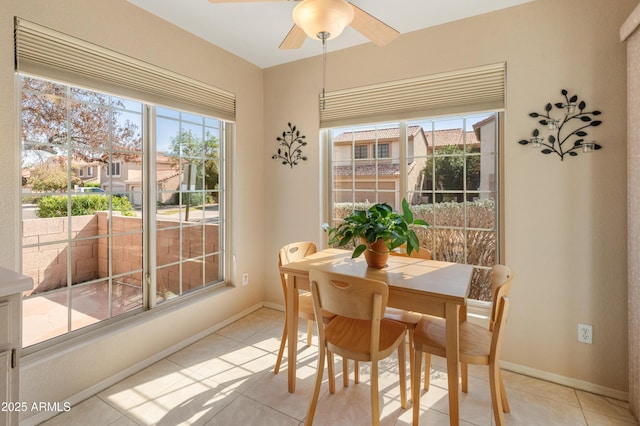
<point x="486" y="133"/>
<point x="357" y="160"/>
<point x="88" y="172"/>
<point x="125" y="177"/>
<point x="384" y="162"/>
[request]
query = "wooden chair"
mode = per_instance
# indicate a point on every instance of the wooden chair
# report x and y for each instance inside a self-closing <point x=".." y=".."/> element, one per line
<point x="408" y="318"/>
<point x="289" y="253"/>
<point x="478" y="345"/>
<point x="357" y="332"/>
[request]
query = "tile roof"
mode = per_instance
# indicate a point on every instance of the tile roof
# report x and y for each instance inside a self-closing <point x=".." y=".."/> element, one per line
<point x="370" y="134"/>
<point x="383" y="169"/>
<point x="135" y="176"/>
<point x="443" y="137"/>
<point x="446" y="137"/>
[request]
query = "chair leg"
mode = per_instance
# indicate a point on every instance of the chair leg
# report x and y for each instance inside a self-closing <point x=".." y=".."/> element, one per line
<point x="356" y="372"/>
<point x="402" y="369"/>
<point x="309" y="332"/>
<point x="464" y="373"/>
<point x="283" y="342"/>
<point x="331" y="373"/>
<point x="496" y="398"/>
<point x="375" y="405"/>
<point x="411" y="352"/>
<point x="316" y="390"/>
<point x="345" y="372"/>
<point x="427" y="370"/>
<point x="503" y="395"/>
<point x="415" y="385"/>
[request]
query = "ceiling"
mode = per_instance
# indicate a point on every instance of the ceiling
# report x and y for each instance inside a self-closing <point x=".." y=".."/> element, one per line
<point x="254" y="31"/>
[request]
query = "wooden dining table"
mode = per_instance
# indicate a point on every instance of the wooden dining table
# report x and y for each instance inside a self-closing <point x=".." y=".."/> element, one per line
<point x="426" y="286"/>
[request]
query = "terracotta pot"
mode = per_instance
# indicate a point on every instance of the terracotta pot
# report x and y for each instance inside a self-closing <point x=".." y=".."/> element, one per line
<point x="377" y="254"/>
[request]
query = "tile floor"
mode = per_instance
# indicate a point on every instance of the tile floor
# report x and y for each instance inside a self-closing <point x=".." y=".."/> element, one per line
<point x="227" y="379"/>
<point x="46" y="315"/>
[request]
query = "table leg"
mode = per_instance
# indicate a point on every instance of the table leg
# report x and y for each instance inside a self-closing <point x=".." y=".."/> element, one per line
<point x="453" y="345"/>
<point x="292" y="329"/>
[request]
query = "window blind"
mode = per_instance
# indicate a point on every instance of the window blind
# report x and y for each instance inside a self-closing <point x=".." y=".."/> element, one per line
<point x="462" y="91"/>
<point x="47" y="53"/>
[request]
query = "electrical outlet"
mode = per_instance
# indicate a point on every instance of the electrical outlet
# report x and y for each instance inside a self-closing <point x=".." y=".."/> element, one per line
<point x="245" y="278"/>
<point x="585" y="333"/>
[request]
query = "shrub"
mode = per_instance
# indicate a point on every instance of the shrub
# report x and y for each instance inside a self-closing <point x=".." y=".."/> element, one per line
<point x="56" y="205"/>
<point x="192" y="198"/>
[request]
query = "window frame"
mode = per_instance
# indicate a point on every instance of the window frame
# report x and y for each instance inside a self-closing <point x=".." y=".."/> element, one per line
<point x="381" y="147"/>
<point x="226" y="134"/>
<point x="361" y="151"/>
<point x="109" y="168"/>
<point x="478" y="306"/>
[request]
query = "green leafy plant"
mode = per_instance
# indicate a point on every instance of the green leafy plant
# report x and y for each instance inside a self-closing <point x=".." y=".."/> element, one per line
<point x="364" y="227"/>
<point x="56" y="205"/>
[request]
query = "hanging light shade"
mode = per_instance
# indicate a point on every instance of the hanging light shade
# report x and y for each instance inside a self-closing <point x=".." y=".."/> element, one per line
<point x="317" y="17"/>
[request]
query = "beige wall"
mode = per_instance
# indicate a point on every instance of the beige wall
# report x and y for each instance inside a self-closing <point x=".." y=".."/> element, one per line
<point x="62" y="373"/>
<point x="565" y="232"/>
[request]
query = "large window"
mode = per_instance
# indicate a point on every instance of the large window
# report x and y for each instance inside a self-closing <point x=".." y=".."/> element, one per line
<point x="143" y="230"/>
<point x="445" y="167"/>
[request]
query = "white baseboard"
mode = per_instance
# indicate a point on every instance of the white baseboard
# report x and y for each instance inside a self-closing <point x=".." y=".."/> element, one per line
<point x="565" y="381"/>
<point x="274" y="306"/>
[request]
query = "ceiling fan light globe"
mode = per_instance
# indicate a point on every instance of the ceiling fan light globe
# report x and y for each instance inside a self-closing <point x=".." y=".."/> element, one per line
<point x="323" y="16"/>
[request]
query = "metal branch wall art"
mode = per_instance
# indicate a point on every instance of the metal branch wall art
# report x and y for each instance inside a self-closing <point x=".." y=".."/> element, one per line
<point x="290" y="150"/>
<point x="570" y="128"/>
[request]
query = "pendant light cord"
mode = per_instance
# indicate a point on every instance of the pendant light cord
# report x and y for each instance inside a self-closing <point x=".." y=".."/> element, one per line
<point x="324" y="36"/>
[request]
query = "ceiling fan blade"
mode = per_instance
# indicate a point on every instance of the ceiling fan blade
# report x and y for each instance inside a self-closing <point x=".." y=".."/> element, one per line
<point x="294" y="38"/>
<point x="372" y="28"/>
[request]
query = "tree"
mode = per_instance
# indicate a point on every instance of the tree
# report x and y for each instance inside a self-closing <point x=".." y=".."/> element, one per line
<point x="52" y="176"/>
<point x="54" y="115"/>
<point x="200" y="160"/>
<point x="449" y="173"/>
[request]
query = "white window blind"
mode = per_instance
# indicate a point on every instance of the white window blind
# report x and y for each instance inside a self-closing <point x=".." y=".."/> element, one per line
<point x="47" y="53"/>
<point x="470" y="90"/>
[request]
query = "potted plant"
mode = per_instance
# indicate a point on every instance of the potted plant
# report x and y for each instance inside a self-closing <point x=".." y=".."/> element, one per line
<point x="377" y="231"/>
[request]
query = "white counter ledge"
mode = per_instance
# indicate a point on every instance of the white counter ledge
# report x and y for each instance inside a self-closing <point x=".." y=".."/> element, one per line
<point x="12" y="282"/>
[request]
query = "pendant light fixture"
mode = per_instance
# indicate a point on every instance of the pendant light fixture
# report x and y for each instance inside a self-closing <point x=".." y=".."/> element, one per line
<point x="323" y="20"/>
<point x="317" y="17"/>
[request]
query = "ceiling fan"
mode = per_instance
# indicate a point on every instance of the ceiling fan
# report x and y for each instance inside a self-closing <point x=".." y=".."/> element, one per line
<point x="326" y="19"/>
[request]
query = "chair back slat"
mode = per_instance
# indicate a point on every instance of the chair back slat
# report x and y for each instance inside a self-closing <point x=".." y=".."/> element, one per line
<point x="296" y="251"/>
<point x="502" y="278"/>
<point x="292" y="252"/>
<point x="349" y="296"/>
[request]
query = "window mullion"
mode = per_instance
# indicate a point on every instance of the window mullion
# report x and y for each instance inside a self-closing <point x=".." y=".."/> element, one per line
<point x="403" y="190"/>
<point x="149" y="209"/>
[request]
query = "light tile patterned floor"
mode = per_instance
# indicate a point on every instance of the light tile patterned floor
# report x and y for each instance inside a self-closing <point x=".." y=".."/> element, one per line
<point x="227" y="379"/>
